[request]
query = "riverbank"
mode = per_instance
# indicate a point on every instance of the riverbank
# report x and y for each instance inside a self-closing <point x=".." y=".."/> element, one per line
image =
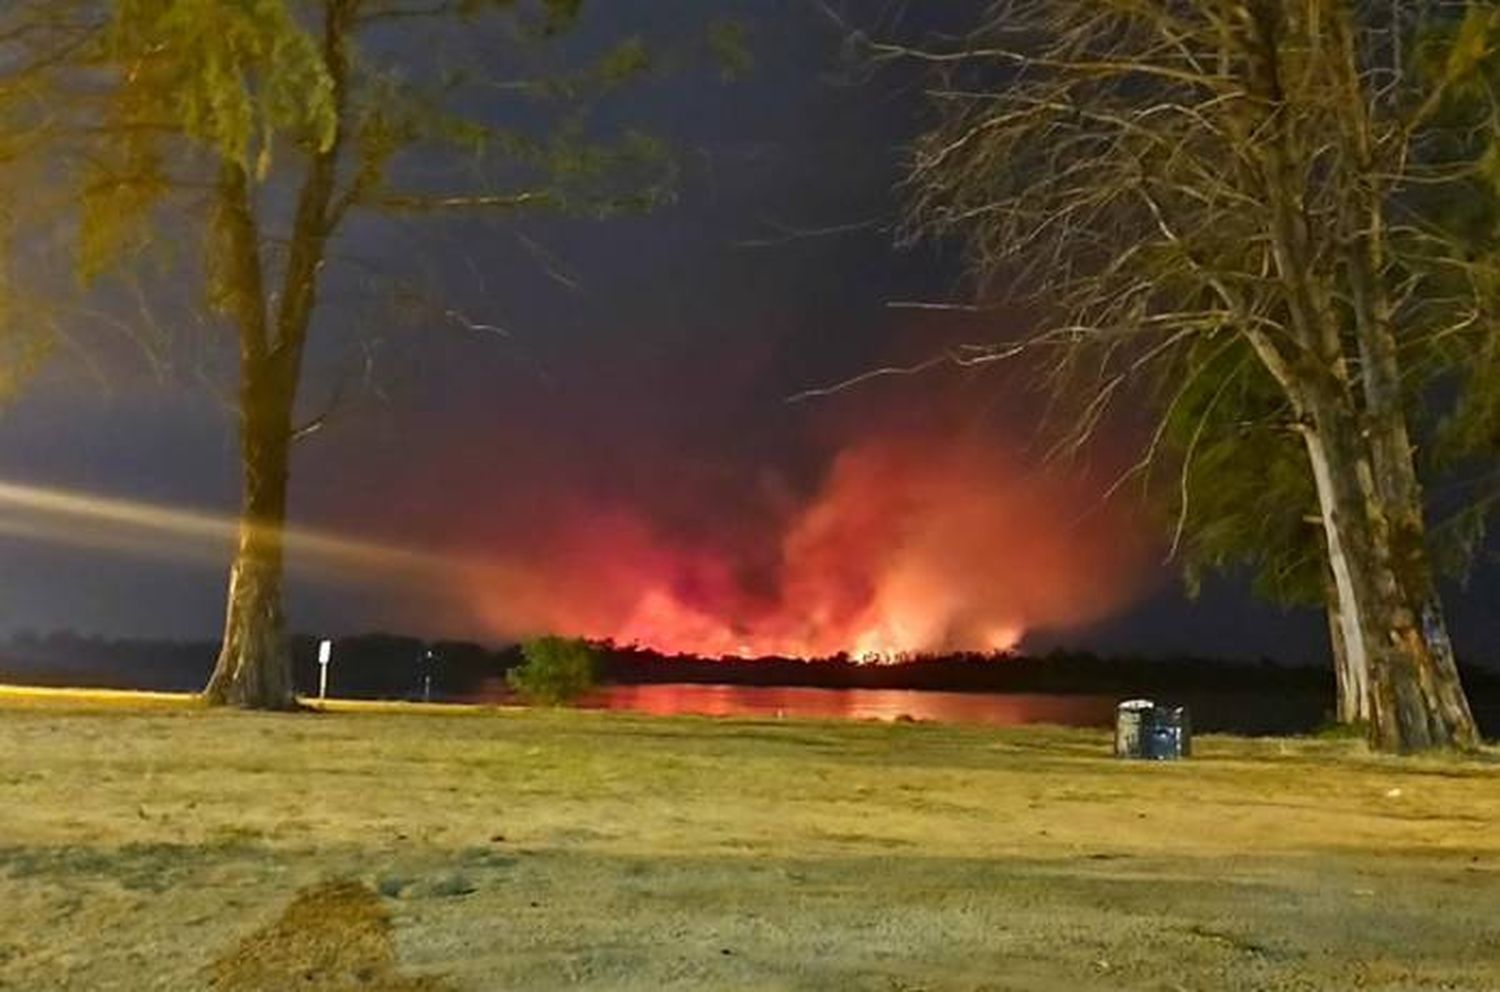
<point x="166" y="846"/>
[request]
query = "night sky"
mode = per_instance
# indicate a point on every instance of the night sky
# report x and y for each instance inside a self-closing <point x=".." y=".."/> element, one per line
<point x="645" y="362"/>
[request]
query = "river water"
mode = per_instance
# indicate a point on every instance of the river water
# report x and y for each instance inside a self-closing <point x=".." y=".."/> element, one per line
<point x="1231" y="712"/>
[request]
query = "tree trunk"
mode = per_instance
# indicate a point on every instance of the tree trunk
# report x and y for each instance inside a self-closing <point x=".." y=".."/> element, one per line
<point x="254" y="669"/>
<point x="1415" y="699"/>
<point x="1350" y="670"/>
<point x="1422" y="704"/>
<point x="1400" y="493"/>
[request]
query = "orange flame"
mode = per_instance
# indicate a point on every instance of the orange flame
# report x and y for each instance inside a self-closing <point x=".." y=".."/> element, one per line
<point x="910" y="545"/>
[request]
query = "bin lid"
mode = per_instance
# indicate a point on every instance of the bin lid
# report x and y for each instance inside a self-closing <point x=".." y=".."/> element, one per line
<point x="1137" y="705"/>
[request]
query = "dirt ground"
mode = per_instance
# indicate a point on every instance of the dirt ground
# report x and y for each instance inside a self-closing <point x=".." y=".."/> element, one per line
<point x="148" y="844"/>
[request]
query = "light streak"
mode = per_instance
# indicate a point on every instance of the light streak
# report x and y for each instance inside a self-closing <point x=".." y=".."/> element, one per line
<point x="137" y="527"/>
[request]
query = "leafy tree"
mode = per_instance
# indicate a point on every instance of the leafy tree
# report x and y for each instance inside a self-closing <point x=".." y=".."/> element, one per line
<point x="267" y="124"/>
<point x="1242" y="499"/>
<point x="37" y="39"/>
<point x="556" y="670"/>
<point x="1209" y="194"/>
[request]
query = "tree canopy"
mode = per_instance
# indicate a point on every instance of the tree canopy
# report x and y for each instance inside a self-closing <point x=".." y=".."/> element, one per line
<point x="1235" y="203"/>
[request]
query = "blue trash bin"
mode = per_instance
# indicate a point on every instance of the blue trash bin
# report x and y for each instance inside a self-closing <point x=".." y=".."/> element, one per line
<point x="1170" y="735"/>
<point x="1147" y="731"/>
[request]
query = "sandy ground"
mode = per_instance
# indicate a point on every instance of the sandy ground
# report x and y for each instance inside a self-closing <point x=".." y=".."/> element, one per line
<point x="145" y="844"/>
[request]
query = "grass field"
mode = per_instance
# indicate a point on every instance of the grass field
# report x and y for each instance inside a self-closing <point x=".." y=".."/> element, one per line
<point x="147" y="844"/>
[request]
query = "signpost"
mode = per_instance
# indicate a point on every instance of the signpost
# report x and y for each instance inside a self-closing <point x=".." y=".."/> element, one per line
<point x="325" y="655"/>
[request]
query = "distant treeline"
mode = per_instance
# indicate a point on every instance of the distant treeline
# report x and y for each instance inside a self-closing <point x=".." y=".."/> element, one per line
<point x="391" y="666"/>
<point x="1057" y="671"/>
<point x="383" y="666"/>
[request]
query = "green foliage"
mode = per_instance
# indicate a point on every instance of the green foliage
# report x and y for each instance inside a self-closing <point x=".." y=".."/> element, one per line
<point x="120" y="190"/>
<point x="1460" y="61"/>
<point x="557" y="670"/>
<point x="233" y="75"/>
<point x="1468" y="47"/>
<point x="729" y="42"/>
<point x="227" y="74"/>
<point x="558" y="16"/>
<point x="601" y="180"/>
<point x="37" y="35"/>
<point x="1249" y="506"/>
<point x="1241" y="492"/>
<point x="1088" y="166"/>
<point x="27" y="330"/>
<point x="230" y="72"/>
<point x="626" y="61"/>
<point x="22" y="350"/>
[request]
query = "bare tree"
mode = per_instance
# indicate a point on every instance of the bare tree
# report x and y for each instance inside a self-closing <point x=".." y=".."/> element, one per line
<point x="1210" y="192"/>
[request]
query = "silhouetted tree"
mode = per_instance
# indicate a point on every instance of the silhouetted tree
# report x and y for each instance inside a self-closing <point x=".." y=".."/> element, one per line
<point x="1226" y="194"/>
<point x="270" y="123"/>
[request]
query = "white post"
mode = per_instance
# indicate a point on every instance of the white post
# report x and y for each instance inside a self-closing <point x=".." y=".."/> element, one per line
<point x="325" y="655"/>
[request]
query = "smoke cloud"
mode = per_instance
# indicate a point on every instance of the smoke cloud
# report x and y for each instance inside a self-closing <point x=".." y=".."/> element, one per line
<point x="906" y="543"/>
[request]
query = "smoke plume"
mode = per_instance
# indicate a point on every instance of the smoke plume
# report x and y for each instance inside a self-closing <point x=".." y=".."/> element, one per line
<point x="907" y="543"/>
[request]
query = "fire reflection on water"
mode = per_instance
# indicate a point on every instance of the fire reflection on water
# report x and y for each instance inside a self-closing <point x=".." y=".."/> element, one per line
<point x="1005" y="710"/>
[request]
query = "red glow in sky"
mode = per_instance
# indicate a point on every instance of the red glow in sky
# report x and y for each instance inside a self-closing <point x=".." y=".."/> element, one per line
<point x="909" y="545"/>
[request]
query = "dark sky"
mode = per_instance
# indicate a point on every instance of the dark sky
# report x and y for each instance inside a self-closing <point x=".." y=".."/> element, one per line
<point x="649" y="356"/>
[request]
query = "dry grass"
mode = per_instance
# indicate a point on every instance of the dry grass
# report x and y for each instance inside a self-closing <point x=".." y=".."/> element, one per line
<point x="332" y="937"/>
<point x="399" y="848"/>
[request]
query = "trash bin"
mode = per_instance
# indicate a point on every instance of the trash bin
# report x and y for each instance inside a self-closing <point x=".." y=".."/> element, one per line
<point x="1170" y="735"/>
<point x="1131" y="722"/>
<point x="1144" y="730"/>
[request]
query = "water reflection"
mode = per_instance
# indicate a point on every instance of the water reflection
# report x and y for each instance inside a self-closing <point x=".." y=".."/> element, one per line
<point x="849" y="704"/>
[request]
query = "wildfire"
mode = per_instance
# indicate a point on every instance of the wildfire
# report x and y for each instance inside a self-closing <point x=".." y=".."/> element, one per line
<point x="910" y="545"/>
